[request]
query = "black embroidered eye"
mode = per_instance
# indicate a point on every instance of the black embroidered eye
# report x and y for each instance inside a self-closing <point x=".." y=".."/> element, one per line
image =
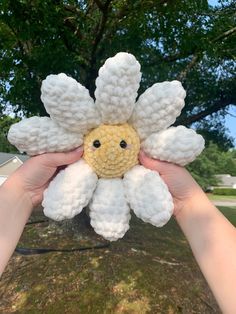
<point x="123" y="144"/>
<point x="96" y="143"/>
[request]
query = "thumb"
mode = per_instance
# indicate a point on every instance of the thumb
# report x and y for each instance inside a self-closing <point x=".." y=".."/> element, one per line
<point x="60" y="159"/>
<point x="154" y="164"/>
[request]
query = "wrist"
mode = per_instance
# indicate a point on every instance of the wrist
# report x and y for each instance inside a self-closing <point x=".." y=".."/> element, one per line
<point x="197" y="220"/>
<point x="13" y="192"/>
<point x="197" y="202"/>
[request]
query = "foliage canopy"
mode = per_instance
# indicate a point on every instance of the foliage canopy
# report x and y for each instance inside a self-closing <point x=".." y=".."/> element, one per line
<point x="5" y="123"/>
<point x="186" y="40"/>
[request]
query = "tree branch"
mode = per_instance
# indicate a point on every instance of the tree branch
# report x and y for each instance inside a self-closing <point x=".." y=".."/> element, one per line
<point x="100" y="5"/>
<point x="219" y="105"/>
<point x="68" y="21"/>
<point x="101" y="27"/>
<point x="196" y="57"/>
<point x="180" y="55"/>
<point x="230" y="114"/>
<point x="99" y="32"/>
<point x="225" y="34"/>
<point x="182" y="75"/>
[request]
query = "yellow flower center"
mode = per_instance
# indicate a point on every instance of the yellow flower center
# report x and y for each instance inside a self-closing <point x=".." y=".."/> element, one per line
<point x="111" y="150"/>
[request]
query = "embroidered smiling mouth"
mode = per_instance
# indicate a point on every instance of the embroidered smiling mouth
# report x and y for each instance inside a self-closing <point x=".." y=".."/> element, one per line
<point x="111" y="150"/>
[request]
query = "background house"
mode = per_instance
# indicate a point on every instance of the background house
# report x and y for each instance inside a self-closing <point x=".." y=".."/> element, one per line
<point x="9" y="163"/>
<point x="226" y="181"/>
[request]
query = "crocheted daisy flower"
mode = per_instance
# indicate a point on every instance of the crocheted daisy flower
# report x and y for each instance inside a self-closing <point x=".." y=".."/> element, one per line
<point x="113" y="128"/>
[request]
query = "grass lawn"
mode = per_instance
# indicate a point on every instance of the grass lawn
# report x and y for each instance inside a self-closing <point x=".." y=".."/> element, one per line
<point x="150" y="270"/>
<point x="230" y="213"/>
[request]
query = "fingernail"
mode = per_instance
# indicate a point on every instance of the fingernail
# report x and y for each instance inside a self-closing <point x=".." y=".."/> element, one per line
<point x="79" y="149"/>
<point x="141" y="154"/>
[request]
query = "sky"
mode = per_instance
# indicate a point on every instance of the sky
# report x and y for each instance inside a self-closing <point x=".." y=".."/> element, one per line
<point x="213" y="2"/>
<point x="230" y="122"/>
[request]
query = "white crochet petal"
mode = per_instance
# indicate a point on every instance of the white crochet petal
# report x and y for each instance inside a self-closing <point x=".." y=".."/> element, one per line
<point x="38" y="135"/>
<point x="148" y="196"/>
<point x="69" y="192"/>
<point x="158" y="107"/>
<point x="179" y="145"/>
<point x="117" y="86"/>
<point x="69" y="103"/>
<point x="109" y="211"/>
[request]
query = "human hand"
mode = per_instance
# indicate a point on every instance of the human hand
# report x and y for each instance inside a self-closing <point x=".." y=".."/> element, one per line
<point x="183" y="188"/>
<point x="33" y="177"/>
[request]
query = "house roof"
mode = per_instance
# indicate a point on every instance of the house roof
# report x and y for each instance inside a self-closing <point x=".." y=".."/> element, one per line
<point x="4" y="157"/>
<point x="226" y="179"/>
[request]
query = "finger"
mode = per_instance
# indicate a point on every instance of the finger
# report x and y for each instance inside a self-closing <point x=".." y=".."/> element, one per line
<point x="153" y="164"/>
<point x="60" y="159"/>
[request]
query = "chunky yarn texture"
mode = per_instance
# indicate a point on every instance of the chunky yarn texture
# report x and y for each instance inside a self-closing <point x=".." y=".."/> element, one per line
<point x="108" y="179"/>
<point x="117" y="151"/>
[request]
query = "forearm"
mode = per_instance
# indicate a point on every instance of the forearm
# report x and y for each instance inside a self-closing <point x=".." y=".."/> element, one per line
<point x="15" y="209"/>
<point x="213" y="242"/>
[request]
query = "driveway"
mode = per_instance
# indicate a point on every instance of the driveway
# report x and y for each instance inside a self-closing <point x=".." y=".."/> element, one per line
<point x="227" y="203"/>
